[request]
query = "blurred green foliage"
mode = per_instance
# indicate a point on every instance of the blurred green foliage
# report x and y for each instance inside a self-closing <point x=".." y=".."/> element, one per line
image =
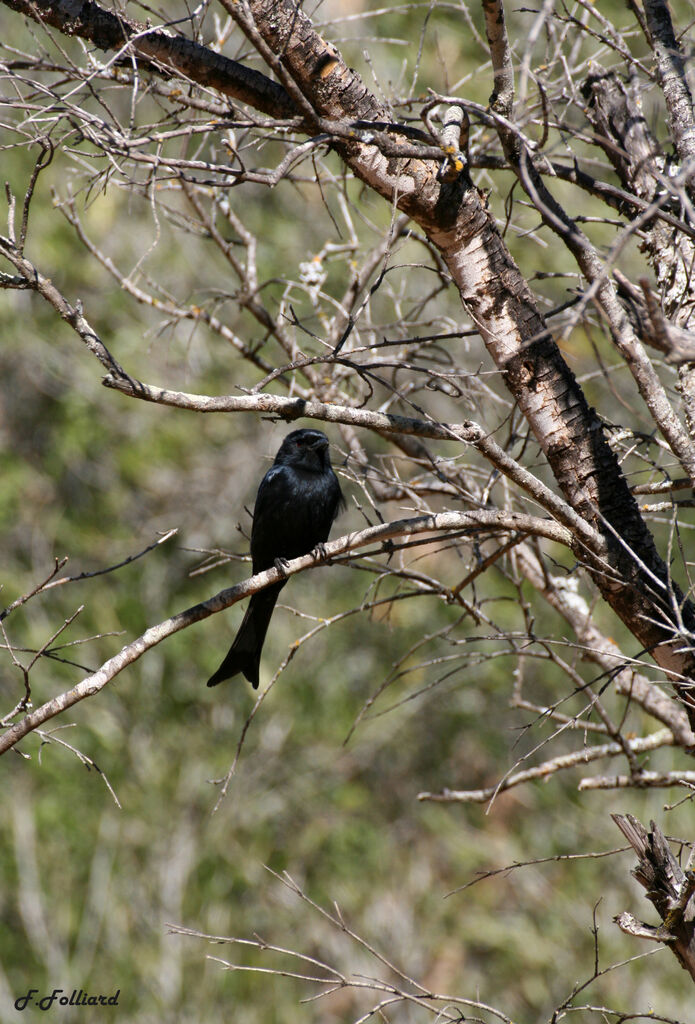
<point x="88" y="887"/>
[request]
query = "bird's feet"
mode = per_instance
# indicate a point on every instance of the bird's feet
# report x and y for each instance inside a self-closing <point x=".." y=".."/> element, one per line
<point x="319" y="551"/>
<point x="281" y="565"/>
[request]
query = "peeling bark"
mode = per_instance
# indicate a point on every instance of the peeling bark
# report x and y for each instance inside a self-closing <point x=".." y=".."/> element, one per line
<point x="624" y="135"/>
<point x="669" y="889"/>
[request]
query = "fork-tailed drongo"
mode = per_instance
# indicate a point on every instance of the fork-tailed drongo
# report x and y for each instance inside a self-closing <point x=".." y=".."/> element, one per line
<point x="297" y="501"/>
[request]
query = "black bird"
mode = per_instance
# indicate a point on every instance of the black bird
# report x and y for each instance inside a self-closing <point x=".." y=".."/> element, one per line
<point x="297" y="501"/>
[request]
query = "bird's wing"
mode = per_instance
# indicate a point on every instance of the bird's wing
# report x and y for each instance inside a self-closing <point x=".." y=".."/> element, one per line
<point x="272" y="514"/>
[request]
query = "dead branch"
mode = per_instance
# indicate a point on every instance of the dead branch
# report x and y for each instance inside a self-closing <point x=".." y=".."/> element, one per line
<point x="669" y="889"/>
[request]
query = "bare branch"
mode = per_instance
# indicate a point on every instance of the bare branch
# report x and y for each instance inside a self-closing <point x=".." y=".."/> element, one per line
<point x="173" y="52"/>
<point x="586" y="755"/>
<point x="446" y="521"/>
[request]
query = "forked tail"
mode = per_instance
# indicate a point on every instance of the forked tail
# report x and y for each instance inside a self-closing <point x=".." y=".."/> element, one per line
<point x="245" y="653"/>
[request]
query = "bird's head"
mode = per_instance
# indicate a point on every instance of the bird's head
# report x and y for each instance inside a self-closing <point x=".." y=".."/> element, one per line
<point x="306" y="448"/>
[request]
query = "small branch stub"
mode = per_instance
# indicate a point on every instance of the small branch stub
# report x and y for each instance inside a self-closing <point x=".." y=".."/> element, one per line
<point x="669" y="888"/>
